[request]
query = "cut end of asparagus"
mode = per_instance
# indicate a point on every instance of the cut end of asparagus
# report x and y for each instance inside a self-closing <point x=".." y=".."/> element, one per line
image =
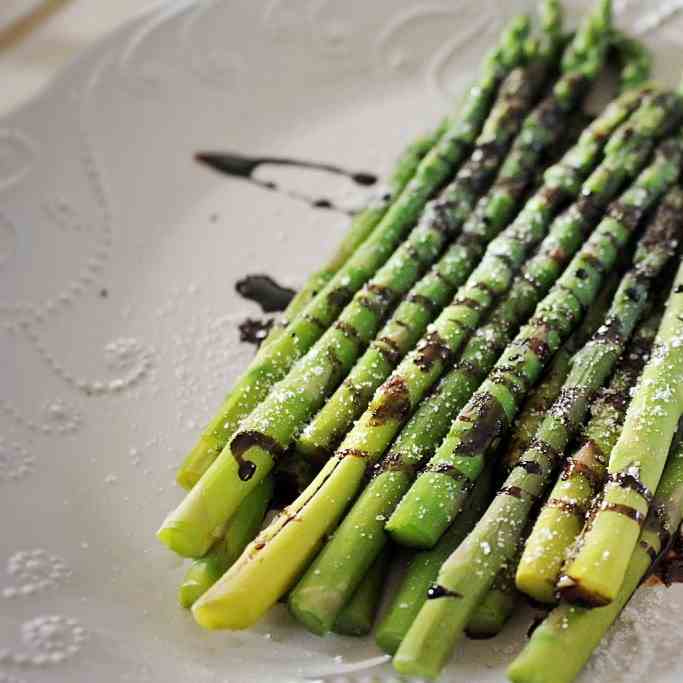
<point x="430" y="641"/>
<point x="356" y="626"/>
<point x="485" y="624"/>
<point x="407" y="533"/>
<point x="427" y="510"/>
<point x="388" y="640"/>
<point x="181" y="539"/>
<point x="521" y="671"/>
<point x="216" y="610"/>
<point x="594" y="577"/>
<point x="408" y="665"/>
<point x="310" y="606"/>
<point x="536" y="585"/>
<point x="579" y="593"/>
<point x="189" y="592"/>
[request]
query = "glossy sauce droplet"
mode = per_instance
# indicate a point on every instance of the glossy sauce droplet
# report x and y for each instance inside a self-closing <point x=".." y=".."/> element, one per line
<point x="265" y="291"/>
<point x="246" y="470"/>
<point x="437" y="591"/>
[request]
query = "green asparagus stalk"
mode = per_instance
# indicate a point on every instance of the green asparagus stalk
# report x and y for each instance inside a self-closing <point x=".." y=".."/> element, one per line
<point x="283" y="548"/>
<point x="596" y="573"/>
<point x="203" y="573"/>
<point x="423" y="570"/>
<point x="436" y="497"/>
<point x="561" y="646"/>
<point x="542" y="130"/>
<point x="548" y="389"/>
<point x="273" y="363"/>
<point x="358" y="615"/>
<point x="240" y="531"/>
<point x="469" y="573"/>
<point x="341" y="565"/>
<point x="272" y="426"/>
<point x="563" y="515"/>
<point x="492" y="613"/>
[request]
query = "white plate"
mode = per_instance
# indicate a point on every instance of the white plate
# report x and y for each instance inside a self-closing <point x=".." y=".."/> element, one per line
<point x="118" y="255"/>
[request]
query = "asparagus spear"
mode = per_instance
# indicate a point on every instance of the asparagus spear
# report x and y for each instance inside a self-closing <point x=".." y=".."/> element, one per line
<point x="423" y="570"/>
<point x="596" y="573"/>
<point x="436" y="497"/>
<point x="469" y="573"/>
<point x="441" y="162"/>
<point x="548" y="389"/>
<point x="560" y="647"/>
<point x="358" y="615"/>
<point x="340" y="566"/>
<point x="271" y="427"/>
<point x="541" y="131"/>
<point x="284" y="548"/>
<point x="492" y="613"/>
<point x="562" y="516"/>
<point x="240" y="531"/>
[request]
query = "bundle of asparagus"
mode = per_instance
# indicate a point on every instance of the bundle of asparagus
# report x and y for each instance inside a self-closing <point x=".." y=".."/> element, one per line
<point x="563" y="643"/>
<point x="473" y="290"/>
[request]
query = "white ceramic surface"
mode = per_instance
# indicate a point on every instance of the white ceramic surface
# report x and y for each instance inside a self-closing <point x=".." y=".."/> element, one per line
<point x="118" y="255"/>
<point x="14" y="10"/>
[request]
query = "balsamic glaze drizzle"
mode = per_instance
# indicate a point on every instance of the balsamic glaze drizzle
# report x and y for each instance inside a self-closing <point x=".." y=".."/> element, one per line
<point x="243" y="166"/>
